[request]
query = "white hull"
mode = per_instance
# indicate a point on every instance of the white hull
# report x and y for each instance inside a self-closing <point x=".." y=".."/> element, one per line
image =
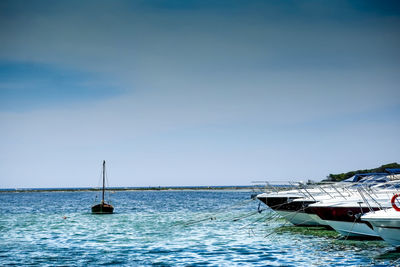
<point x="387" y="224"/>
<point x="392" y="236"/>
<point x="317" y="219"/>
<point x="298" y="218"/>
<point x="352" y="229"/>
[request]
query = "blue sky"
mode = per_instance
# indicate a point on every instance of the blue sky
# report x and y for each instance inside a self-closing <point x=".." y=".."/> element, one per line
<point x="196" y="92"/>
<point x="29" y="86"/>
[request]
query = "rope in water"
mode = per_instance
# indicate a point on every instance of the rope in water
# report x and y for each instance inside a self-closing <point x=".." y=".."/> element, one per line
<point x="213" y="215"/>
<point x="287" y="220"/>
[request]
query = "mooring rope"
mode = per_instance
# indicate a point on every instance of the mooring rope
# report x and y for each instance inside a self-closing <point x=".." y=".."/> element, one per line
<point x="266" y="217"/>
<point x="396" y="261"/>
<point x="284" y="216"/>
<point x="351" y="229"/>
<point x="213" y="215"/>
<point x="245" y="216"/>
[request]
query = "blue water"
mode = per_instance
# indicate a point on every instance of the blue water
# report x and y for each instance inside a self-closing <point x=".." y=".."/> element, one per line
<point x="164" y="228"/>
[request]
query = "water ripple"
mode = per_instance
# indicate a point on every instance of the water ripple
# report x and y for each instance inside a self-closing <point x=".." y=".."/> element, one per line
<point x="164" y="228"/>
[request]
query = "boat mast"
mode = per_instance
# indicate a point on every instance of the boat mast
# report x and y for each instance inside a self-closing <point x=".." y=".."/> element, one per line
<point x="104" y="168"/>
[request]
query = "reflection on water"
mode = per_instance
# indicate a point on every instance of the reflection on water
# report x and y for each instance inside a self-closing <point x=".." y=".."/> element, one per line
<point x="167" y="228"/>
<point x="391" y="254"/>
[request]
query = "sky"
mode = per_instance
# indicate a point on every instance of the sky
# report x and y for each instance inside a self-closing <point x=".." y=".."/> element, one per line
<point x="196" y="92"/>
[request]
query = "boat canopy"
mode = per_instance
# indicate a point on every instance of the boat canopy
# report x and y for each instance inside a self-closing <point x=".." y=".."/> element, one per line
<point x="393" y="170"/>
<point x="389" y="185"/>
<point x="360" y="177"/>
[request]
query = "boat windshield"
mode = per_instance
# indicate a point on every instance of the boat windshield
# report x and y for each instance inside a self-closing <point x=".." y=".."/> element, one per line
<point x="363" y="177"/>
<point x="371" y="180"/>
<point x="389" y="185"/>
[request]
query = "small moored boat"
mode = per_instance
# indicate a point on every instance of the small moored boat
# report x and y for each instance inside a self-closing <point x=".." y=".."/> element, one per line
<point x="103" y="207"/>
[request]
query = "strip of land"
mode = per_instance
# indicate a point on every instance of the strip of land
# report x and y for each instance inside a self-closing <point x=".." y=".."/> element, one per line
<point x="150" y="188"/>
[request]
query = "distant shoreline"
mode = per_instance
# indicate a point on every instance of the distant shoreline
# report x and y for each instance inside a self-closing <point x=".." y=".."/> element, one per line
<point x="151" y="188"/>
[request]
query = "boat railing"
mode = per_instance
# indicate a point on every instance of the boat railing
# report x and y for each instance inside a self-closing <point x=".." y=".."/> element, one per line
<point x="364" y="199"/>
<point x="337" y="190"/>
<point x="275" y="186"/>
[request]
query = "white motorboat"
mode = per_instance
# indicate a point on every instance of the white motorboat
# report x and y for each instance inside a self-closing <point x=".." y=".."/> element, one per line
<point x="345" y="215"/>
<point x="294" y="205"/>
<point x="386" y="223"/>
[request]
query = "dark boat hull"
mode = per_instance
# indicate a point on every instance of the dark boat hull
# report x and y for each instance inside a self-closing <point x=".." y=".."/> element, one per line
<point x="295" y="212"/>
<point x="287" y="204"/>
<point x="278" y="203"/>
<point x="344" y="214"/>
<point x="347" y="220"/>
<point x="102" y="209"/>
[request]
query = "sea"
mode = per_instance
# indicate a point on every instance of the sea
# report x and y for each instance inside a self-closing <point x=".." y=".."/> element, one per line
<point x="168" y="228"/>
